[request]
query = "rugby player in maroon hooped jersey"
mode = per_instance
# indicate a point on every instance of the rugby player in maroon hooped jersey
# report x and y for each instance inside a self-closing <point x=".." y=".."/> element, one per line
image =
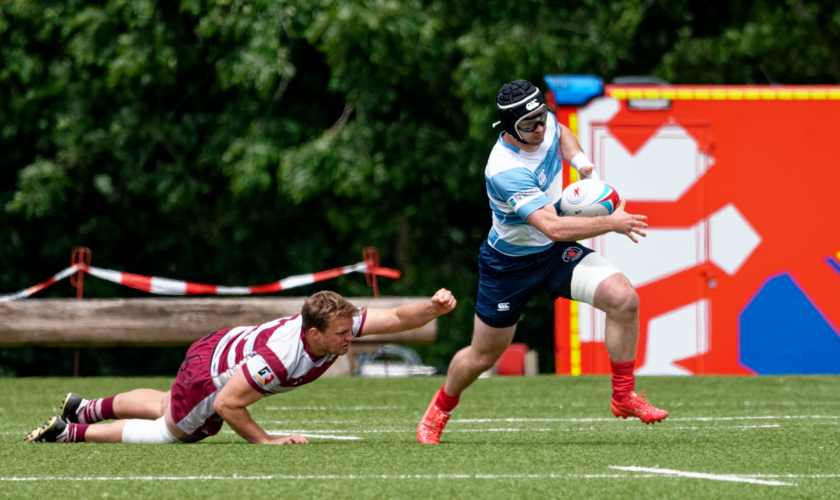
<point x="229" y="370"/>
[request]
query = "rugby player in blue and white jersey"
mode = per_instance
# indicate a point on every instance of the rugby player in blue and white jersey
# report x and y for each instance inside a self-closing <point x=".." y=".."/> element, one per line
<point x="530" y="248"/>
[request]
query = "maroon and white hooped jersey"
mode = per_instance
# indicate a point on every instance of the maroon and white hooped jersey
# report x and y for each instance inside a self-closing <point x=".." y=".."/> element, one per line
<point x="274" y="356"/>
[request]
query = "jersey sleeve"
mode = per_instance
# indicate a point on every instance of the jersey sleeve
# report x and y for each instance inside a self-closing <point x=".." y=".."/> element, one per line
<point x="359" y="323"/>
<point x="259" y="375"/>
<point x="518" y="187"/>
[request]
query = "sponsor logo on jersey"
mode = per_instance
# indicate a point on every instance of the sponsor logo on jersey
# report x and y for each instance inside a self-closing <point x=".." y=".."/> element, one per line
<point x="532" y="105"/>
<point x="577" y="194"/>
<point x="571" y="254"/>
<point x="504" y="306"/>
<point x="266" y="378"/>
<point x="523" y="196"/>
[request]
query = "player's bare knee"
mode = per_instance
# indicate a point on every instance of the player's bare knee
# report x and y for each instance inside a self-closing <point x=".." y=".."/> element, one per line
<point x="626" y="304"/>
<point x="617" y="297"/>
<point x="485" y="361"/>
<point x="630" y="304"/>
<point x="164" y="403"/>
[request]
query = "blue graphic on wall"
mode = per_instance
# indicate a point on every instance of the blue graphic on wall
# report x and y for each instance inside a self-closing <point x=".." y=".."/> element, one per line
<point x="781" y="332"/>
<point x="833" y="263"/>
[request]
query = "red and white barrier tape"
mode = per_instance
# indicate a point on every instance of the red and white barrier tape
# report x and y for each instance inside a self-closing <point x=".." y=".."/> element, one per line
<point x="165" y="286"/>
<point x="37" y="288"/>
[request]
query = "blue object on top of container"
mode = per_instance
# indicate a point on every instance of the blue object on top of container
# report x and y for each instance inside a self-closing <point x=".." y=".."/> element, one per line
<point x="574" y="90"/>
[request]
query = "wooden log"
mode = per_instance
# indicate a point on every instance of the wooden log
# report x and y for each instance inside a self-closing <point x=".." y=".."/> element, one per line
<point x="162" y="321"/>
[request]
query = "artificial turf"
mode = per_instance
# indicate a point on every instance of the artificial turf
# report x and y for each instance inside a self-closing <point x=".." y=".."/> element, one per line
<point x="517" y="437"/>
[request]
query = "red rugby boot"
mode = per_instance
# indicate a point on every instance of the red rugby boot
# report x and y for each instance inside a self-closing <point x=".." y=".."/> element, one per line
<point x="638" y="406"/>
<point x="432" y="424"/>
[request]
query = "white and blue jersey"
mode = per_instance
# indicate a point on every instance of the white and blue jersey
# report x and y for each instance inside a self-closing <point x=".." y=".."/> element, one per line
<point x="518" y="184"/>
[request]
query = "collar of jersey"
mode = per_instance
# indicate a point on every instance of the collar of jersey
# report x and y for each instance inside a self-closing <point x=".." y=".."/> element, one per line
<point x="513" y="148"/>
<point x="309" y="352"/>
<point x="508" y="145"/>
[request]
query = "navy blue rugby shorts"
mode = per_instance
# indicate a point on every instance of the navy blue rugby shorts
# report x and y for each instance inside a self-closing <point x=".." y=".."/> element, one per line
<point x="506" y="283"/>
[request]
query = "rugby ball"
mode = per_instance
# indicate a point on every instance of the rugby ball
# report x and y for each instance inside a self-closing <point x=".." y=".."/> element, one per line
<point x="588" y="198"/>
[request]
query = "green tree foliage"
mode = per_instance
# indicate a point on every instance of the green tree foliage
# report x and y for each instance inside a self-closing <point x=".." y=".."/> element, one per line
<point x="787" y="42"/>
<point x="238" y="142"/>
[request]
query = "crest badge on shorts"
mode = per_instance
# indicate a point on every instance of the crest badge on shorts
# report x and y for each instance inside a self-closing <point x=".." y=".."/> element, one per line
<point x="189" y="369"/>
<point x="572" y="254"/>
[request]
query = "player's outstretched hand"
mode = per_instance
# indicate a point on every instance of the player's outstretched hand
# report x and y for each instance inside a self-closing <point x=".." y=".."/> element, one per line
<point x="443" y="301"/>
<point x="294" y="439"/>
<point x="628" y="224"/>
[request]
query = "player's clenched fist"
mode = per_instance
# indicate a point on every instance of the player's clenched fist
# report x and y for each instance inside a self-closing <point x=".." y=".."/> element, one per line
<point x="443" y="301"/>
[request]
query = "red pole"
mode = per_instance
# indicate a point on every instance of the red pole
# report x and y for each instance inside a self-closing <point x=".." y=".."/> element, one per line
<point x="371" y="257"/>
<point x="80" y="255"/>
<point x="562" y="339"/>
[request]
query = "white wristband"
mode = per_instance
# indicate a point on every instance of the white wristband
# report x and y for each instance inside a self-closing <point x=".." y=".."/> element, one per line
<point x="579" y="161"/>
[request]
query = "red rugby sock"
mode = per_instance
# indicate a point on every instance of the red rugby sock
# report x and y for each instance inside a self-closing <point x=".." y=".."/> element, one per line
<point x="446" y="402"/>
<point x="75" y="433"/>
<point x="623" y="380"/>
<point x="108" y="409"/>
<point x="98" y="410"/>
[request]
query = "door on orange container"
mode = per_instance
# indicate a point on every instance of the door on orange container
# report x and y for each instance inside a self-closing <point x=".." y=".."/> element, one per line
<point x="659" y="169"/>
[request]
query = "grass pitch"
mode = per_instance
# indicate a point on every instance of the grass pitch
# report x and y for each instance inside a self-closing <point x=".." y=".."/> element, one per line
<point x="519" y="437"/>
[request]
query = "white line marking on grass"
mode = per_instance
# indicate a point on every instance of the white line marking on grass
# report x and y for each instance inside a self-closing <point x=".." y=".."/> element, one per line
<point x="658" y="473"/>
<point x="672" y="419"/>
<point x="484" y="420"/>
<point x="765" y="417"/>
<point x="580" y="429"/>
<point x="332" y="408"/>
<point x="500" y="430"/>
<point x="793" y="476"/>
<point x="322" y="431"/>
<point x="383" y="476"/>
<point x="301" y="431"/>
<point x="737" y="427"/>
<point x="323" y="436"/>
<point x="307" y="434"/>
<point x="667" y="428"/>
<point x="702" y="475"/>
<point x="306" y="421"/>
<point x="644" y="429"/>
<point x="298" y="431"/>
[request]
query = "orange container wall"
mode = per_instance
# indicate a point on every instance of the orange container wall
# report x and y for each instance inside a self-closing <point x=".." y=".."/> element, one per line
<point x="740" y="273"/>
